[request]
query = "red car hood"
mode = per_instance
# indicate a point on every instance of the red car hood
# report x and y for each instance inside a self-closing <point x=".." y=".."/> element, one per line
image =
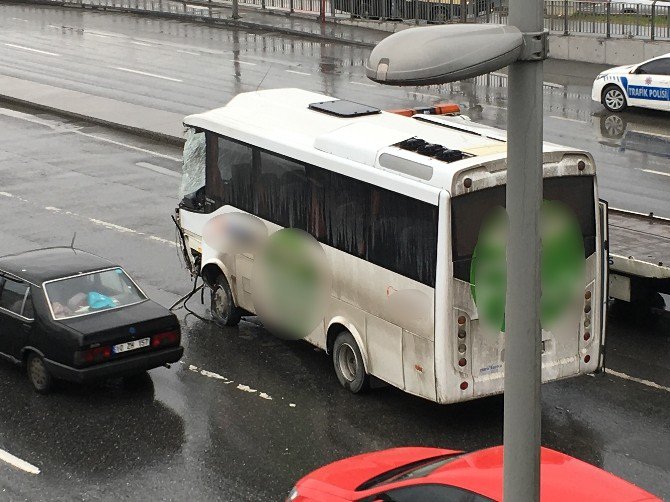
<point x="344" y="476"/>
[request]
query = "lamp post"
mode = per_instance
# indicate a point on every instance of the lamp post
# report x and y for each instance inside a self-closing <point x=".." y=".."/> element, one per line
<point x="441" y="54"/>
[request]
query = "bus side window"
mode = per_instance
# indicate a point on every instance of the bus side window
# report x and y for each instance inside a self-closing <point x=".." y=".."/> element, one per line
<point x="285" y="201"/>
<point x="316" y="223"/>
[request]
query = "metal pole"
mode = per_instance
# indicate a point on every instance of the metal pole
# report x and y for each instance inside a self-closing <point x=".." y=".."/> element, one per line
<point x="653" y="20"/>
<point x="236" y="9"/>
<point x="565" y="17"/>
<point x="523" y="334"/>
<point x="607" y="11"/>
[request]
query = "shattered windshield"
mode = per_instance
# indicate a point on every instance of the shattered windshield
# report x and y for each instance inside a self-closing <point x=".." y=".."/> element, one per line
<point x="90" y="293"/>
<point x="193" y="170"/>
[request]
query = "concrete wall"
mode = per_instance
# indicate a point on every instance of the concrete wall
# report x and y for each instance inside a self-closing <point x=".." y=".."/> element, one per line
<point x="585" y="48"/>
<point x="610" y="51"/>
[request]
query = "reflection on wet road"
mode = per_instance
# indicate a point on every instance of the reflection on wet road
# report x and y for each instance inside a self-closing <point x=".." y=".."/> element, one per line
<point x="246" y="414"/>
<point x="185" y="68"/>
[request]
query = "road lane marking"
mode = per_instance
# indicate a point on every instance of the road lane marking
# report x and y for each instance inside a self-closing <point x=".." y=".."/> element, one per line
<point x="141" y="43"/>
<point x="363" y="84"/>
<point x="147" y="74"/>
<point x="24" y="48"/>
<point x="19" y="19"/>
<point x="106" y="224"/>
<point x="158" y="169"/>
<point x="241" y="62"/>
<point x="240" y="386"/>
<point x="130" y="147"/>
<point x="642" y="381"/>
<point x="298" y="72"/>
<point x="18" y="463"/>
<point x="57" y="126"/>
<point x="570" y="120"/>
<point x="651" y="171"/>
<point x="188" y="52"/>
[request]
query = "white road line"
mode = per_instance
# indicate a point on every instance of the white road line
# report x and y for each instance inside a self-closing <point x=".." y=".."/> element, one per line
<point x="101" y="223"/>
<point x="18" y="463"/>
<point x="130" y="147"/>
<point x="228" y="381"/>
<point x="648" y="383"/>
<point x="570" y="120"/>
<point x="35" y="120"/>
<point x="141" y="43"/>
<point x="96" y="34"/>
<point x="23" y="48"/>
<point x="361" y="83"/>
<point x="651" y="171"/>
<point x="19" y="19"/>
<point x="241" y="62"/>
<point x="147" y="74"/>
<point x="298" y="72"/>
<point x="188" y="52"/>
<point x="158" y="169"/>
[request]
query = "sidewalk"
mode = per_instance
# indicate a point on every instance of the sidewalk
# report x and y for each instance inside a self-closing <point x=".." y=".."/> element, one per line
<point x="136" y="119"/>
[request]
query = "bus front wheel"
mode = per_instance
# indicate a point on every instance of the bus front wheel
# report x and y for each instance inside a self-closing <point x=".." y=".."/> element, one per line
<point x="223" y="308"/>
<point x="348" y="363"/>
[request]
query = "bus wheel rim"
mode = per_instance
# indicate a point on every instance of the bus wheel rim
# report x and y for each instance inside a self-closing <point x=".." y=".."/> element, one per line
<point x="221" y="302"/>
<point x="347" y="361"/>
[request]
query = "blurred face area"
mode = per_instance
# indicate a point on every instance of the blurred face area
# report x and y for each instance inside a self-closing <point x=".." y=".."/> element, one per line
<point x="291" y="283"/>
<point x="562" y="265"/>
<point x="234" y="233"/>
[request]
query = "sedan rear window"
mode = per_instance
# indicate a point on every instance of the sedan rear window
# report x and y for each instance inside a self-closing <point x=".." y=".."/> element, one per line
<point x="90" y="293"/>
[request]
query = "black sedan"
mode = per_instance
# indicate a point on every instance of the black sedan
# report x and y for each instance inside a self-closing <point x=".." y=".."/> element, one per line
<point x="71" y="315"/>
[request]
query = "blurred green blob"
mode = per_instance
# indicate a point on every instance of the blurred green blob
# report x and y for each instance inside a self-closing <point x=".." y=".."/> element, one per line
<point x="563" y="261"/>
<point x="562" y="265"/>
<point x="488" y="270"/>
<point x="292" y="277"/>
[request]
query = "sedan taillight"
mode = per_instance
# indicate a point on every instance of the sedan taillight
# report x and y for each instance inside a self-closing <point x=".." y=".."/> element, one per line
<point x="92" y="356"/>
<point x="165" y="338"/>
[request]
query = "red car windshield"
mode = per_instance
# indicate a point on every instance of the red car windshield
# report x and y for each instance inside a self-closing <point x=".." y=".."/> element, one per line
<point x="410" y="471"/>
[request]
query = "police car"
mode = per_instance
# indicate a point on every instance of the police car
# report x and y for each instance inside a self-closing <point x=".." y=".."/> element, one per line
<point x="646" y="85"/>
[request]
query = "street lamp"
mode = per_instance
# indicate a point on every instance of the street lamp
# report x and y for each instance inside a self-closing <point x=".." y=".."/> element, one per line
<point x="441" y="54"/>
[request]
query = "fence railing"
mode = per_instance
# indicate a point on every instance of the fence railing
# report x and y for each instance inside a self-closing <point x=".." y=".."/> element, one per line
<point x="648" y="21"/>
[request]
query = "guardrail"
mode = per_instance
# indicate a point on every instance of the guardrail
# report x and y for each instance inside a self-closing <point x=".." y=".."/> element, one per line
<point x="647" y="21"/>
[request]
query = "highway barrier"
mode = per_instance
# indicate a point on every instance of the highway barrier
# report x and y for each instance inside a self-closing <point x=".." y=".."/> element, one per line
<point x="609" y="19"/>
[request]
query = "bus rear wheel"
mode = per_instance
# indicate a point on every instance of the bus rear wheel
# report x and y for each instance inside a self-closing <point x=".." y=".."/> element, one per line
<point x="222" y="306"/>
<point x="348" y="363"/>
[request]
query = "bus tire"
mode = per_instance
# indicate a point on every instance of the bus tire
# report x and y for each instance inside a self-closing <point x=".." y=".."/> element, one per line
<point x="348" y="363"/>
<point x="222" y="306"/>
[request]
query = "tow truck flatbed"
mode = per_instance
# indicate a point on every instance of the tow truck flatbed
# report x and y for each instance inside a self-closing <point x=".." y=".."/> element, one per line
<point x="639" y="255"/>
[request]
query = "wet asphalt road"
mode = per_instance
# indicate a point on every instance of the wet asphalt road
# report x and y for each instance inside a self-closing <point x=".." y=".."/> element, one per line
<point x="192" y="67"/>
<point x="196" y="432"/>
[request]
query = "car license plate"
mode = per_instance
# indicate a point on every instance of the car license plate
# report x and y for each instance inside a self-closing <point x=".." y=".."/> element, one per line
<point x="135" y="344"/>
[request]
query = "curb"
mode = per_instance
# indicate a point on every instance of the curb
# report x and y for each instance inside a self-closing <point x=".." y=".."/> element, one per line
<point x="234" y="23"/>
<point x="154" y="135"/>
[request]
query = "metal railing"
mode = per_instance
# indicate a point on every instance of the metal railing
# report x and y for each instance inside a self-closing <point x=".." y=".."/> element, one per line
<point x="647" y="21"/>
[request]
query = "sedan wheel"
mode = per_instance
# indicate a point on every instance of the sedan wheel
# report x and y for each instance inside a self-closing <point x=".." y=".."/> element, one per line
<point x="39" y="374"/>
<point x="614" y="99"/>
